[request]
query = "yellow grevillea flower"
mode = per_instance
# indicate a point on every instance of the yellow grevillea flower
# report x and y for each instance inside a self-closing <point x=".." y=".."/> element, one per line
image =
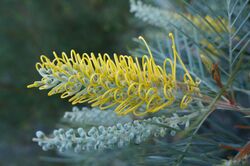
<point x="207" y="62"/>
<point x="132" y="86"/>
<point x="216" y="23"/>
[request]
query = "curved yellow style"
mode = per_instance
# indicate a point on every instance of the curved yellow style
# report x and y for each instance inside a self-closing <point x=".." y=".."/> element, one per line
<point x="122" y="82"/>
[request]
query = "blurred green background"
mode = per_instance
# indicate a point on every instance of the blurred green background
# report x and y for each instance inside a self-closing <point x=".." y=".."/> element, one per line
<point x="31" y="28"/>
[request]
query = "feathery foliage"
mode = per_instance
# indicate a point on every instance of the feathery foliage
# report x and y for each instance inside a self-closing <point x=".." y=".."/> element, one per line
<point x="212" y="47"/>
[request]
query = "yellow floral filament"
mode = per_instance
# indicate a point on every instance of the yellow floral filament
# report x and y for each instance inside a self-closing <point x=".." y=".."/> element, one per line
<point x="122" y="83"/>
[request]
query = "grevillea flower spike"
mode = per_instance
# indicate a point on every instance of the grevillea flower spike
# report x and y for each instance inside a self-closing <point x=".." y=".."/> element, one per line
<point x="124" y="83"/>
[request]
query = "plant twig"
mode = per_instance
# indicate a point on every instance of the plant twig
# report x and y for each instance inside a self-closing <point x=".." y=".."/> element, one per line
<point x="210" y="109"/>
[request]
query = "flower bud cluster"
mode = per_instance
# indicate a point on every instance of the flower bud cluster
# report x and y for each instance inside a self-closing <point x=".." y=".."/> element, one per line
<point x="116" y="136"/>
